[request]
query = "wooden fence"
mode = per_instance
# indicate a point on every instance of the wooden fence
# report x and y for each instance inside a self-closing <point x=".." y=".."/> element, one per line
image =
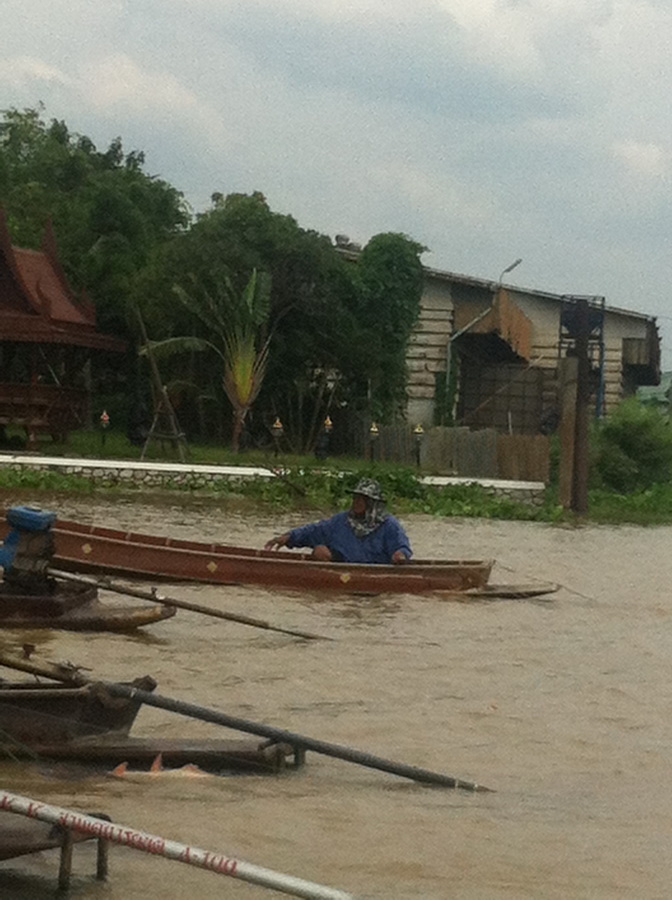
<point x="484" y="453"/>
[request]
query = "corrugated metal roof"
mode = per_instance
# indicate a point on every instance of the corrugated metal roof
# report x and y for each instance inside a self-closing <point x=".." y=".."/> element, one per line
<point x="489" y="285"/>
<point x="493" y="286"/>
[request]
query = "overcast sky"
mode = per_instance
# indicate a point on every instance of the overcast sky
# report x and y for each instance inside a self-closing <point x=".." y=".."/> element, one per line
<point x="485" y="129"/>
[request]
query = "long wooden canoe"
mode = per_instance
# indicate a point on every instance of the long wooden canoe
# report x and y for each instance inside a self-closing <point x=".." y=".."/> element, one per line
<point x="100" y="550"/>
<point x="75" y="608"/>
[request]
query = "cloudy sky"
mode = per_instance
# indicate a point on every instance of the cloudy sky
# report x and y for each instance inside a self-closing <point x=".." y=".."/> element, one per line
<point x="485" y="129"/>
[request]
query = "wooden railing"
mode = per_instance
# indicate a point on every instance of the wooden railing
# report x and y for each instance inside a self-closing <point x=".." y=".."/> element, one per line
<point x="482" y="453"/>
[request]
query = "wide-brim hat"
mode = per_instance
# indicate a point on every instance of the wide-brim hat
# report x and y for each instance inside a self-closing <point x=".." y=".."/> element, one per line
<point x="368" y="487"/>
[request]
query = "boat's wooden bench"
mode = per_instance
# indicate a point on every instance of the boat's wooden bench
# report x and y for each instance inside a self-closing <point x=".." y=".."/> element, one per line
<point x="21" y="837"/>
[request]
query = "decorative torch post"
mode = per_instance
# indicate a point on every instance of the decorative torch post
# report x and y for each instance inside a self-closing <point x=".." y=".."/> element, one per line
<point x="322" y="445"/>
<point x="418" y="434"/>
<point x="374" y="434"/>
<point x="104" y="425"/>
<point x="277" y="430"/>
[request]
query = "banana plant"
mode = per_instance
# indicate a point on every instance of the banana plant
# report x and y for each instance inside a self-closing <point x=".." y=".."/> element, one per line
<point x="239" y="325"/>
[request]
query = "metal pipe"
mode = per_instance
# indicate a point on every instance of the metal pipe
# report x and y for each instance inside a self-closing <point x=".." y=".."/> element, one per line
<point x="158" y="846"/>
<point x="337" y="751"/>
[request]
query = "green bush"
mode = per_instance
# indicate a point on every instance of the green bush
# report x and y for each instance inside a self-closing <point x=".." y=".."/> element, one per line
<point x="633" y="448"/>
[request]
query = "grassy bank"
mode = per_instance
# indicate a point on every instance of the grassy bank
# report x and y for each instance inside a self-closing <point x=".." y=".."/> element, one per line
<point x="305" y="484"/>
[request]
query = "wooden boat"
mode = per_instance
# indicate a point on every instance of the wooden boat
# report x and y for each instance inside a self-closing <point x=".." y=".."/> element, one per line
<point x="101" y="550"/>
<point x="80" y="721"/>
<point x="33" y="714"/>
<point x="74" y="608"/>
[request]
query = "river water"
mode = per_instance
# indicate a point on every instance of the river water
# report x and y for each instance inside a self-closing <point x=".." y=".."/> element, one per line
<point x="561" y="705"/>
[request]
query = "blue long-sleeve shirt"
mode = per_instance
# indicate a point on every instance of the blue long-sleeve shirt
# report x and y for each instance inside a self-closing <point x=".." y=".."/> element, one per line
<point x="337" y="534"/>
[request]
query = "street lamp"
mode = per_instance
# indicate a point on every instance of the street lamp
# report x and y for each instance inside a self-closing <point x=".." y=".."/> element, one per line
<point x="104" y="425"/>
<point x="418" y="434"/>
<point x="510" y="268"/>
<point x="374" y="434"/>
<point x="277" y="431"/>
<point x="322" y="445"/>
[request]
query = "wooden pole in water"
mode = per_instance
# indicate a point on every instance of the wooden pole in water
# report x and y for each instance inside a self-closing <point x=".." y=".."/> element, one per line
<point x="155" y="597"/>
<point x="219" y="863"/>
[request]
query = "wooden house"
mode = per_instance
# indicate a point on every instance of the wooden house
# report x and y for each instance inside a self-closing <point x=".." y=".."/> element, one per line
<point x="484" y="354"/>
<point x="47" y="340"/>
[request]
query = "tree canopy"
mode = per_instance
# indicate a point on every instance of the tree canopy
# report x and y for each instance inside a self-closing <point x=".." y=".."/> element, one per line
<point x="335" y="328"/>
<point x="107" y="213"/>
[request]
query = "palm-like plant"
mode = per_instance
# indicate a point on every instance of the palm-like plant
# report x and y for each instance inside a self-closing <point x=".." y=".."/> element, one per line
<point x="241" y="339"/>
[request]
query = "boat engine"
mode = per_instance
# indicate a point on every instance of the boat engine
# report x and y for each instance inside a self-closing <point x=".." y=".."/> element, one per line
<point x="28" y="549"/>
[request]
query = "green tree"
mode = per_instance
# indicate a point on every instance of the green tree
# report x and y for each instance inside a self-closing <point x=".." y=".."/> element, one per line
<point x="390" y="282"/>
<point x="108" y="214"/>
<point x="240" y="338"/>
<point x="308" y="320"/>
<point x="338" y="328"/>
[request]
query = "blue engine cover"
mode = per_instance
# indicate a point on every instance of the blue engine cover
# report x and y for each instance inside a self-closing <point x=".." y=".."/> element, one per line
<point x="29" y="518"/>
<point x="22" y="518"/>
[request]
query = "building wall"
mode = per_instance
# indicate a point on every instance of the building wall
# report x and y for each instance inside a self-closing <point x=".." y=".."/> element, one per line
<point x="427" y="350"/>
<point x="444" y="303"/>
<point x="545" y="316"/>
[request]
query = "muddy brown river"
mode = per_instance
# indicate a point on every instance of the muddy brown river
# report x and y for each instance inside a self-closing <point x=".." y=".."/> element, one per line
<point x="561" y="705"/>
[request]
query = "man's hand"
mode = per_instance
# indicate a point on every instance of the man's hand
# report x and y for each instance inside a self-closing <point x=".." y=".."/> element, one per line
<point x="399" y="557"/>
<point x="277" y="542"/>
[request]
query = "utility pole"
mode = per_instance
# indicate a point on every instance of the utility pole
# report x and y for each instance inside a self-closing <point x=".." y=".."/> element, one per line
<point x="581" y="450"/>
<point x="574" y="376"/>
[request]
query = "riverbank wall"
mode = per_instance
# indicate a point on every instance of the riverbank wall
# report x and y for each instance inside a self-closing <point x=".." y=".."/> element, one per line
<point x="191" y="476"/>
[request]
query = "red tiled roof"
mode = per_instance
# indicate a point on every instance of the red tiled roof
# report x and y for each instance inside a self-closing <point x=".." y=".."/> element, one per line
<point x="37" y="304"/>
<point x="45" y="288"/>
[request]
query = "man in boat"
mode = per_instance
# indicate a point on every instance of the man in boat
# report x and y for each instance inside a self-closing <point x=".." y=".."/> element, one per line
<point x="366" y="533"/>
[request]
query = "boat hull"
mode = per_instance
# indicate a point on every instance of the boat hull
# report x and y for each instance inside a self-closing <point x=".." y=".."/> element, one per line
<point x="33" y="714"/>
<point x="104" y="550"/>
<point x="75" y="608"/>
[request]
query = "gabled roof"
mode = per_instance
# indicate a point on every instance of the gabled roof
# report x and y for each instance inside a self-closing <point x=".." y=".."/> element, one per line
<point x="37" y="305"/>
<point x="494" y="286"/>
